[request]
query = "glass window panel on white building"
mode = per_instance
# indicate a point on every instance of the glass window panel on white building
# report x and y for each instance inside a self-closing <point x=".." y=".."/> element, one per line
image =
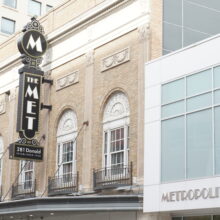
<point x="199" y="144"/>
<point x="7" y="26"/>
<point x="174" y="91"/>
<point x="198" y="102"/>
<point x="217" y="140"/>
<point x="216" y="77"/>
<point x="173" y="109"/>
<point x="190" y="127"/>
<point x="34" y="8"/>
<point x="199" y="83"/>
<point x="173" y="149"/>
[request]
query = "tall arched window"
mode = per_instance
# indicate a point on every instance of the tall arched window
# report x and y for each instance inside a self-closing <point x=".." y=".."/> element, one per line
<point x="1" y="159"/>
<point x="116" y="131"/>
<point x="66" y="146"/>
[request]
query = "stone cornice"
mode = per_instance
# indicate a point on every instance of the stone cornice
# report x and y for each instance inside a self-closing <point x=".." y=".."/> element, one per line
<point x="86" y="18"/>
<point x="77" y="23"/>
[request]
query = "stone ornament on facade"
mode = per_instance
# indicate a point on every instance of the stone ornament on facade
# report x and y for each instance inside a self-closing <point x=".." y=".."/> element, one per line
<point x="144" y="6"/>
<point x="117" y="107"/>
<point x="67" y="123"/>
<point x="144" y="32"/>
<point x="2" y="107"/>
<point x="116" y="59"/>
<point x="89" y="58"/>
<point x="2" y="104"/>
<point x="13" y="93"/>
<point x="48" y="56"/>
<point x="67" y="80"/>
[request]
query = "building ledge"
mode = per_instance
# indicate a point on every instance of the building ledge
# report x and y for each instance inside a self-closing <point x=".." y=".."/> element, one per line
<point x="75" y="204"/>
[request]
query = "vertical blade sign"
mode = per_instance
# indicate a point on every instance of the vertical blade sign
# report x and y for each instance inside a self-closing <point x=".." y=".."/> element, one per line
<point x="29" y="104"/>
<point x="32" y="46"/>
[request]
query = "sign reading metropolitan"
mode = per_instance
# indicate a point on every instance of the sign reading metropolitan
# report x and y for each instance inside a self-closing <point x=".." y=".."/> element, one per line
<point x="32" y="46"/>
<point x="191" y="194"/>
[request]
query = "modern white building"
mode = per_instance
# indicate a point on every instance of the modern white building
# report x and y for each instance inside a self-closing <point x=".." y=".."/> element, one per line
<point x="14" y="14"/>
<point x="182" y="141"/>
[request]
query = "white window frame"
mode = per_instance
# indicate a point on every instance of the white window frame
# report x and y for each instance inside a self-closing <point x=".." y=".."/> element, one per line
<point x="116" y="115"/>
<point x="59" y="160"/>
<point x="23" y="172"/>
<point x="107" y="129"/>
<point x="66" y="132"/>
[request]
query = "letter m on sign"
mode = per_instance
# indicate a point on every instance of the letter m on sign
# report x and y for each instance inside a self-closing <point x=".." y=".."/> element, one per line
<point x="32" y="44"/>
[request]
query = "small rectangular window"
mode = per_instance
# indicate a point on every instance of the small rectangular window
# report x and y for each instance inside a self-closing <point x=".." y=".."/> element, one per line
<point x="34" y="8"/>
<point x="27" y="174"/>
<point x="7" y="26"/>
<point x="48" y="8"/>
<point x="10" y="3"/>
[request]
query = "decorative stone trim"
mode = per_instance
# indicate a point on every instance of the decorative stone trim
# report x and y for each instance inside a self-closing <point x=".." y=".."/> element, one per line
<point x="144" y="32"/>
<point x="2" y="104"/>
<point x="67" y="123"/>
<point x="90" y="58"/>
<point x="67" y="80"/>
<point x="115" y="59"/>
<point x="116" y="108"/>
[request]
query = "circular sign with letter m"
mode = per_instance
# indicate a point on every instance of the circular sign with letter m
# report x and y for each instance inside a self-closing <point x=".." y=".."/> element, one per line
<point x="33" y="44"/>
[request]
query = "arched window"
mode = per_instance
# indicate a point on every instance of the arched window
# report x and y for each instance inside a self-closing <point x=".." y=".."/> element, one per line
<point x="116" y="131"/>
<point x="1" y="159"/>
<point x="66" y="146"/>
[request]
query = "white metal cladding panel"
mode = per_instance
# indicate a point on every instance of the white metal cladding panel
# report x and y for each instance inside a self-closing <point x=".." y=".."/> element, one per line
<point x="186" y="61"/>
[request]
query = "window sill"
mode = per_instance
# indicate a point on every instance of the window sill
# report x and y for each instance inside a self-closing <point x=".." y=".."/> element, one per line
<point x="8" y="7"/>
<point x="5" y="34"/>
<point x="37" y="16"/>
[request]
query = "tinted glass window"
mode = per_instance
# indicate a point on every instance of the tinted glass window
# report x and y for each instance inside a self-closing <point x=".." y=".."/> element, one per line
<point x="7" y="26"/>
<point x="10" y="3"/>
<point x="34" y="8"/>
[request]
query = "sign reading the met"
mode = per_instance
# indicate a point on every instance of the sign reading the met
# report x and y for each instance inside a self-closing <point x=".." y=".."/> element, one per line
<point x="32" y="46"/>
<point x="29" y="104"/>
